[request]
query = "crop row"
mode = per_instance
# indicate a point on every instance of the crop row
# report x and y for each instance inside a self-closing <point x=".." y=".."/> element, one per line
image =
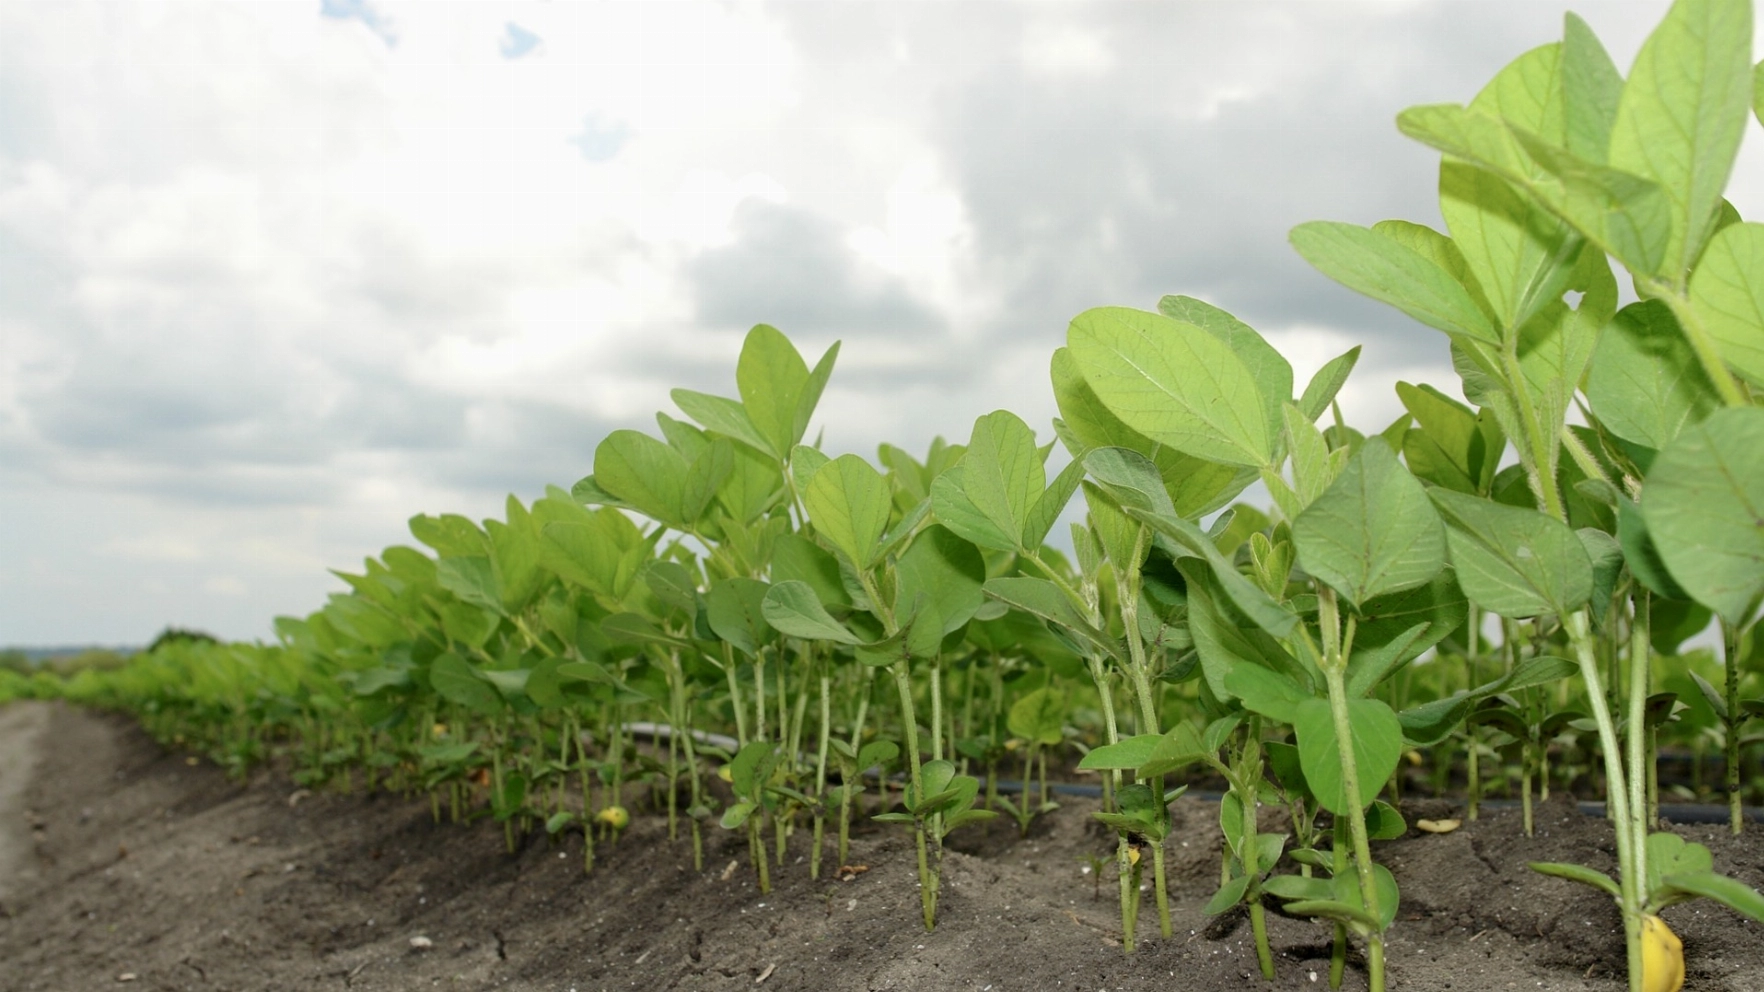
<point x="1493" y="579"/>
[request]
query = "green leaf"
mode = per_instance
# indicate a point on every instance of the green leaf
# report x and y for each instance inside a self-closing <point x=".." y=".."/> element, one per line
<point x="1645" y="383"/>
<point x="1513" y="561"/>
<point x="1049" y="505"/>
<point x="1591" y="89"/>
<point x="1578" y="873"/>
<point x="1704" y="505"/>
<point x="1329" y="909"/>
<point x="1271" y="371"/>
<point x="795" y="557"/>
<point x="1045" y="600"/>
<point x="735" y="609"/>
<point x="1626" y="215"/>
<point x="1383" y="822"/>
<point x="1039" y="716"/>
<point x="1375" y="265"/>
<point x="544" y="686"/>
<point x="1179" y="748"/>
<point x="451" y="535"/>
<point x="672" y="584"/>
<point x="1174" y="383"/>
<point x="771" y="376"/>
<point x="1670" y="854"/>
<point x="722" y="415"/>
<point x="457" y="681"/>
<point x="793" y="609"/>
<point x="1377" y="746"/>
<point x="1347" y="892"/>
<point x="1298" y="887"/>
<point x="849" y="502"/>
<point x="1130" y="753"/>
<point x="1265" y="691"/>
<point x="1732" y="893"/>
<point x="737" y="814"/>
<point x="1384" y="640"/>
<point x="1224" y="645"/>
<point x="1519" y="255"/>
<point x="1682" y="114"/>
<point x="1189" y="540"/>
<point x="940" y="570"/>
<point x="1002" y="474"/>
<point x="1373" y="531"/>
<point x="472" y="579"/>
<point x="705" y="477"/>
<point x="1229" y="895"/>
<point x="1640" y="554"/>
<point x="1727" y="293"/>
<point x="1283" y="761"/>
<point x="811" y="391"/>
<point x="1323" y="387"/>
<point x="643" y="472"/>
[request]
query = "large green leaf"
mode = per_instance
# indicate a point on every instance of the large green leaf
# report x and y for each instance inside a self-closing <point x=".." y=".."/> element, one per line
<point x="796" y="557"/>
<point x="793" y="609"/>
<point x="472" y="579"/>
<point x="643" y="472"/>
<point x="1513" y="561"/>
<point x="1591" y="90"/>
<point x="849" y="502"/>
<point x="1519" y="254"/>
<point x="942" y="571"/>
<point x="1727" y="292"/>
<point x="1645" y="384"/>
<point x="514" y="550"/>
<point x="724" y="416"/>
<point x="1377" y="746"/>
<point x="456" y="680"/>
<point x="1373" y="531"/>
<point x="1271" y="371"/>
<point x="735" y="609"/>
<point x="1194" y="485"/>
<point x="1682" y="115"/>
<point x="1002" y="473"/>
<point x="1626" y="215"/>
<point x="1224" y="645"/>
<point x="1397" y="628"/>
<point x="1378" y="266"/>
<point x="771" y="376"/>
<point x="1045" y="600"/>
<point x="1129" y="753"/>
<point x="1174" y="383"/>
<point x="1039" y="716"/>
<point x="1642" y="557"/>
<point x="1704" y="505"/>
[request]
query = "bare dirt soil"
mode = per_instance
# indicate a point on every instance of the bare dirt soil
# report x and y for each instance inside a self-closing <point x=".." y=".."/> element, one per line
<point x="142" y="866"/>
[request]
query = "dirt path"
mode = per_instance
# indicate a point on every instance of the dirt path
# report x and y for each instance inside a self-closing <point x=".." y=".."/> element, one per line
<point x="21" y="731"/>
<point x="147" y="866"/>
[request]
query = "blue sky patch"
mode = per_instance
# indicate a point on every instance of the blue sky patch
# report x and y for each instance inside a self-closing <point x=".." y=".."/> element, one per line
<point x="600" y="141"/>
<point x="517" y="42"/>
<point x="359" y="10"/>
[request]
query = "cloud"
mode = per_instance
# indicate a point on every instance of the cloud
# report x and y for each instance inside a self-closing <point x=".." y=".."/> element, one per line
<point x="790" y="267"/>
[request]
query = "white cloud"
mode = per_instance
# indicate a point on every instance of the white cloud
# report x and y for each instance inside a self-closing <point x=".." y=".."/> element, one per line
<point x="273" y="281"/>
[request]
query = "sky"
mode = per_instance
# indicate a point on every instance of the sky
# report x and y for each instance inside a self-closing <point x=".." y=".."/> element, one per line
<point x="276" y="276"/>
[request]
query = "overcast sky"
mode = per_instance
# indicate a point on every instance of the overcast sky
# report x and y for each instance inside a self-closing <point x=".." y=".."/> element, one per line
<point x="275" y="276"/>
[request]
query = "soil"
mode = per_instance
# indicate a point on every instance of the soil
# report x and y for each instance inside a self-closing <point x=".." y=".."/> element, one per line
<point x="141" y="865"/>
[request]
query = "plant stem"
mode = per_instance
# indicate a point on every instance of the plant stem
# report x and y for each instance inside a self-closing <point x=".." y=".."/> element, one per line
<point x="927" y="876"/>
<point x="1334" y="673"/>
<point x="1730" y="638"/>
<point x="821" y="777"/>
<point x="1626" y="825"/>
